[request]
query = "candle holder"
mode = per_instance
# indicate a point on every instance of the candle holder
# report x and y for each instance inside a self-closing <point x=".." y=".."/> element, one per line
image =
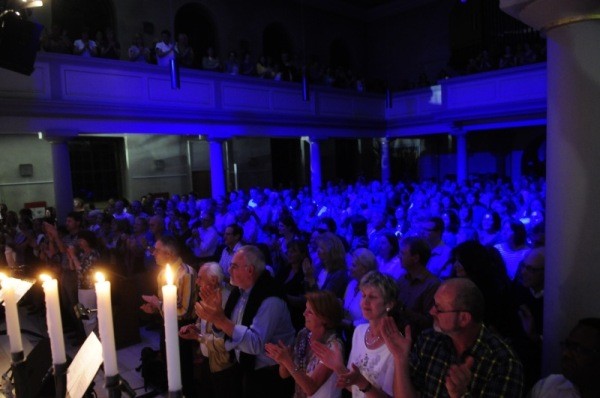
<point x="113" y="385"/>
<point x="20" y="373"/>
<point x="60" y="379"/>
<point x="175" y="394"/>
<point x="116" y="385"/>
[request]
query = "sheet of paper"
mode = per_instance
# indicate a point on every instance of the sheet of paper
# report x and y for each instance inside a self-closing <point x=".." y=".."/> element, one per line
<point x="84" y="367"/>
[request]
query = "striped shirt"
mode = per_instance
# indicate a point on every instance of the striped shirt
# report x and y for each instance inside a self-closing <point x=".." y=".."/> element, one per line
<point x="184" y="278"/>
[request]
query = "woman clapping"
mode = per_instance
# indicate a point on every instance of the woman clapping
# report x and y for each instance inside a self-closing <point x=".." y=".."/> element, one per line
<point x="313" y="379"/>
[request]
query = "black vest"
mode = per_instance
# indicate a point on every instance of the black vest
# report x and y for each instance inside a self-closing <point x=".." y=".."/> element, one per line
<point x="264" y="287"/>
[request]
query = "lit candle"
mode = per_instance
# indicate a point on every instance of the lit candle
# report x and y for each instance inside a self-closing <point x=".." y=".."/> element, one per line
<point x="169" y="292"/>
<point x="13" y="328"/>
<point x="55" y="330"/>
<point x="105" y="326"/>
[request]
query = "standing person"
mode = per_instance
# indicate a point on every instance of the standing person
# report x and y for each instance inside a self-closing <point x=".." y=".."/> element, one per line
<point x="313" y="379"/>
<point x="233" y="242"/>
<point x="370" y="369"/>
<point x="84" y="263"/>
<point x="255" y="314"/>
<point x="137" y="52"/>
<point x="459" y="357"/>
<point x="165" y="49"/>
<point x="68" y="275"/>
<point x="184" y="52"/>
<point x="167" y="251"/>
<point x="85" y="47"/>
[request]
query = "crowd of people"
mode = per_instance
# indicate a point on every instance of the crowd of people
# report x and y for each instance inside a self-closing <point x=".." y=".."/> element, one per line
<point x="377" y="289"/>
<point x="281" y="67"/>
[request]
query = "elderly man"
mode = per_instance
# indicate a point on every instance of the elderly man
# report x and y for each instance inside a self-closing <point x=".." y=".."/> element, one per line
<point x="460" y="356"/>
<point x="255" y="314"/>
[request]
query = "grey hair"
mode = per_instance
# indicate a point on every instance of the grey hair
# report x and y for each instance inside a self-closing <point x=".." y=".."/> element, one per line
<point x="214" y="270"/>
<point x="253" y="256"/>
<point x="385" y="283"/>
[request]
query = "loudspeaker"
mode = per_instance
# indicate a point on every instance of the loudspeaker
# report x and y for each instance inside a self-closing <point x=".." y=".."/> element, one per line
<point x="19" y="43"/>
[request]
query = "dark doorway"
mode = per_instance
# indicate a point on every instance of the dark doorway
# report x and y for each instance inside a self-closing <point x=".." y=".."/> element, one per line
<point x="96" y="172"/>
<point x="198" y="24"/>
<point x="286" y="162"/>
<point x="276" y="41"/>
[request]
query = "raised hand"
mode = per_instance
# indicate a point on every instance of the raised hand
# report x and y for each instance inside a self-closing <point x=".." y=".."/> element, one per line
<point x="280" y="353"/>
<point x="332" y="358"/>
<point x="458" y="378"/>
<point x="398" y="344"/>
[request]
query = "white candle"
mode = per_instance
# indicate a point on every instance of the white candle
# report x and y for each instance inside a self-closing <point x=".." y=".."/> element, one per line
<point x="55" y="330"/>
<point x="169" y="292"/>
<point x="105" y="326"/>
<point x="13" y="328"/>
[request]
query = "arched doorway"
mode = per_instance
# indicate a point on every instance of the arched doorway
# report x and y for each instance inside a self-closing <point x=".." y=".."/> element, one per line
<point x="197" y="23"/>
<point x="339" y="55"/>
<point x="276" y="41"/>
<point x="75" y="15"/>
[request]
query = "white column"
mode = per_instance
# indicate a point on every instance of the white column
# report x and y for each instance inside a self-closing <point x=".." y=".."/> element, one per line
<point x="385" y="159"/>
<point x="461" y="155"/>
<point x="573" y="182"/>
<point x="61" y="167"/>
<point x="315" y="165"/>
<point x="217" y="169"/>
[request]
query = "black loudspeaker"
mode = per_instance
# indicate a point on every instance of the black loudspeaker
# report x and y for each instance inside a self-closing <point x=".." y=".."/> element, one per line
<point x="19" y="43"/>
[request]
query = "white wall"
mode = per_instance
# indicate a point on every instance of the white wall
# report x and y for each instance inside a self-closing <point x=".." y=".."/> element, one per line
<point x="16" y="190"/>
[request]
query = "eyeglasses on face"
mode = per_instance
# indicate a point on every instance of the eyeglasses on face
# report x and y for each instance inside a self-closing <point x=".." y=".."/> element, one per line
<point x="574" y="347"/>
<point x="436" y="308"/>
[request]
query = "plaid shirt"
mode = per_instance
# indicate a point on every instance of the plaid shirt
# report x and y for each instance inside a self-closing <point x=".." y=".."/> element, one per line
<point x="497" y="372"/>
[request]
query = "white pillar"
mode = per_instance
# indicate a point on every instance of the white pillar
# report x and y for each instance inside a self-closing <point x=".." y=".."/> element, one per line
<point x="385" y="159"/>
<point x="217" y="173"/>
<point x="315" y="166"/>
<point x="573" y="182"/>
<point x="461" y="155"/>
<point x="61" y="168"/>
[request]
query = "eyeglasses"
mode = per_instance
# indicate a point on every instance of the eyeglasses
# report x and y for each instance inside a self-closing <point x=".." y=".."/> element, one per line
<point x="577" y="348"/>
<point x="436" y="308"/>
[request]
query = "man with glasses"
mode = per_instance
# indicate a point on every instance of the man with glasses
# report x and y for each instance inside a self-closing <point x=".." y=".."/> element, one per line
<point x="580" y="365"/>
<point x="460" y="356"/>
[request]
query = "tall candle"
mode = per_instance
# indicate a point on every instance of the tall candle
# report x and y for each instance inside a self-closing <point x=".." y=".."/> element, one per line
<point x="13" y="328"/>
<point x="55" y="330"/>
<point x="169" y="292"/>
<point x="105" y="326"/>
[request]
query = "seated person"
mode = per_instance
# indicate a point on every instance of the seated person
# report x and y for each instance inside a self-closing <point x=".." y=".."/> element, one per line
<point x="459" y="357"/>
<point x="580" y="365"/>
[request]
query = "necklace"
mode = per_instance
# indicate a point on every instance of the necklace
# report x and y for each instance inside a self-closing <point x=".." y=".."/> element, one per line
<point x="371" y="341"/>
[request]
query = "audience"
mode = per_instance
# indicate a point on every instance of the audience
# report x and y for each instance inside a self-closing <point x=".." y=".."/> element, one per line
<point x="300" y="237"/>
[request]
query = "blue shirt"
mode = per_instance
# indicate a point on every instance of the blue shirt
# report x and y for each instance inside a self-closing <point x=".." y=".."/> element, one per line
<point x="270" y="324"/>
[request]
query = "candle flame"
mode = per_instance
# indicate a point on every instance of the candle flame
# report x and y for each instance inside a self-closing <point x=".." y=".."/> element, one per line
<point x="2" y="276"/>
<point x="100" y="277"/>
<point x="169" y="275"/>
<point x="45" y="278"/>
